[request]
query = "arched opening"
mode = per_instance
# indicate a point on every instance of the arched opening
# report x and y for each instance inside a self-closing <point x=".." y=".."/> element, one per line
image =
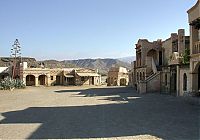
<point x="196" y="78"/>
<point x="184" y="82"/>
<point x="42" y="80"/>
<point x="153" y="54"/>
<point x="30" y="80"/>
<point x="123" y="82"/>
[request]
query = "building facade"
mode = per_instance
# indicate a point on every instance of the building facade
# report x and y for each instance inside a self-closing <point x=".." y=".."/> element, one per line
<point x="118" y="76"/>
<point x="194" y="22"/>
<point x="171" y="66"/>
<point x="147" y="65"/>
<point x="58" y="76"/>
<point x="175" y="65"/>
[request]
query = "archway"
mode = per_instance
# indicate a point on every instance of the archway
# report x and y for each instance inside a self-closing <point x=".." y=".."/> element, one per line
<point x="30" y="80"/>
<point x="42" y="80"/>
<point x="196" y="78"/>
<point x="153" y="54"/>
<point x="123" y="82"/>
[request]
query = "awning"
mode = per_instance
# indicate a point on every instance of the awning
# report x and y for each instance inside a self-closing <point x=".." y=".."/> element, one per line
<point x="88" y="74"/>
<point x="69" y="76"/>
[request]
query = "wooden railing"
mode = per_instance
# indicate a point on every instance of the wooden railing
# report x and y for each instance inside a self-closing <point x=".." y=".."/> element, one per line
<point x="196" y="48"/>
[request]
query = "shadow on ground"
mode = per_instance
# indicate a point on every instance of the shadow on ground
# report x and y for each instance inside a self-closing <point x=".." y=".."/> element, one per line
<point x="161" y="116"/>
<point x="123" y="93"/>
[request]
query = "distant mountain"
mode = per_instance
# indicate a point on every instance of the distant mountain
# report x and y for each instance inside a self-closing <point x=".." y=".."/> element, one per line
<point x="128" y="59"/>
<point x="102" y="64"/>
<point x="7" y="61"/>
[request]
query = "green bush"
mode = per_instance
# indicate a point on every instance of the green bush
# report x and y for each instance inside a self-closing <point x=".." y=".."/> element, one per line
<point x="186" y="56"/>
<point x="8" y="84"/>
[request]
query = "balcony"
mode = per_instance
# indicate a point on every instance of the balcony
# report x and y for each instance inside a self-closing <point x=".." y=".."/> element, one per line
<point x="175" y="59"/>
<point x="196" y="48"/>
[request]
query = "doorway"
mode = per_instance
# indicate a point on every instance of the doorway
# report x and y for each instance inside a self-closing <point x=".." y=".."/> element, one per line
<point x="58" y="80"/>
<point x="42" y="80"/>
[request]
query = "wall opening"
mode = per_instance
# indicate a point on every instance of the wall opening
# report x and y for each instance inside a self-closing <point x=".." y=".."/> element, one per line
<point x="30" y="80"/>
<point x="184" y="82"/>
<point x="42" y="80"/>
<point x="123" y="82"/>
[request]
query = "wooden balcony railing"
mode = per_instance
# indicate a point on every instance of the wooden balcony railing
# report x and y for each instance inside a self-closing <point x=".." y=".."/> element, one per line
<point x="196" y="48"/>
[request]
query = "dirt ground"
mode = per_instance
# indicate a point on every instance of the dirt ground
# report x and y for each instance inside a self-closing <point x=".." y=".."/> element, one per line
<point x="95" y="113"/>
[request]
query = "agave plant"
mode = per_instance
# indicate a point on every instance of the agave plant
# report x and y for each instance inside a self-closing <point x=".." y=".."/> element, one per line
<point x="10" y="84"/>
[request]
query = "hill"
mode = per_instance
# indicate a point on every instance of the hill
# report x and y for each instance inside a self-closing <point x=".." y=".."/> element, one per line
<point x="103" y="65"/>
<point x="128" y="59"/>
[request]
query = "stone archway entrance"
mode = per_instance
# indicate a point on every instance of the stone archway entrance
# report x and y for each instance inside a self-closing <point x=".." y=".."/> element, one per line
<point x="196" y="78"/>
<point x="153" y="54"/>
<point x="42" y="80"/>
<point x="123" y="82"/>
<point x="30" y="80"/>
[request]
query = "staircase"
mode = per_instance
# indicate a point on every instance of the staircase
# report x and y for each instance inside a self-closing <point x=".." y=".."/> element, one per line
<point x="152" y="82"/>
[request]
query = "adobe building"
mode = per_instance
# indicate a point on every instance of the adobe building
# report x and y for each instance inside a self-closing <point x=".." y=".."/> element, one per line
<point x="175" y="70"/>
<point x="148" y="62"/>
<point x="58" y="76"/>
<point x="194" y="22"/>
<point x="118" y="76"/>
<point x="172" y="66"/>
<point x="159" y="65"/>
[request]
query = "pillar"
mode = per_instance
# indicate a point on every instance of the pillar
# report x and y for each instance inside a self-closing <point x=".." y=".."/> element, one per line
<point x="24" y="80"/>
<point x="36" y="81"/>
<point x="48" y="80"/>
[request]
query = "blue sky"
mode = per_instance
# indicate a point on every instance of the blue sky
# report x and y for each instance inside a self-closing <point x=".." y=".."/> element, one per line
<point x="72" y="29"/>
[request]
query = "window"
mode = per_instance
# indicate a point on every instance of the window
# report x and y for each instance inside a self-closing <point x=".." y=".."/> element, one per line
<point x="184" y="82"/>
<point x="140" y="76"/>
<point x="51" y="77"/>
<point x="82" y="78"/>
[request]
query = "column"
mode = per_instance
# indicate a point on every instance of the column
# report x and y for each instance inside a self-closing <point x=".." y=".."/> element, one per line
<point x="24" y="80"/>
<point x="36" y="81"/>
<point x="48" y="80"/>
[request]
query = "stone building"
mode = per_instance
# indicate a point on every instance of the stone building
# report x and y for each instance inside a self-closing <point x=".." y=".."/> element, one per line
<point x="118" y="76"/>
<point x="148" y="62"/>
<point x="174" y="67"/>
<point x="160" y="67"/>
<point x="194" y="22"/>
<point x="58" y="76"/>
